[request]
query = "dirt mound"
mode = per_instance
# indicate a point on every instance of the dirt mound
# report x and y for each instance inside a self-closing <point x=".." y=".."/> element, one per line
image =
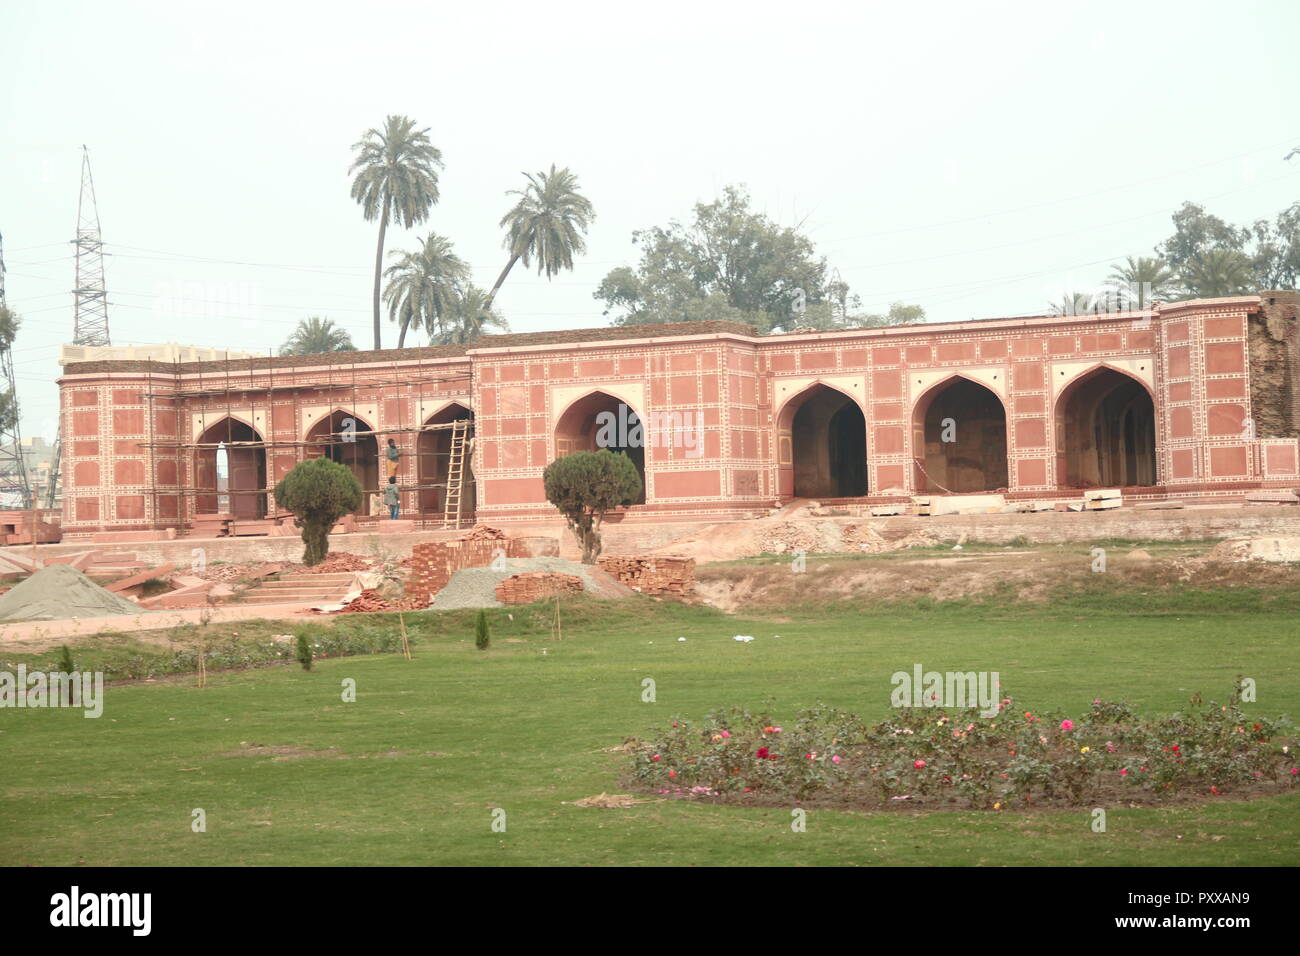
<point x="59" y="592"/>
<point x="1277" y="550"/>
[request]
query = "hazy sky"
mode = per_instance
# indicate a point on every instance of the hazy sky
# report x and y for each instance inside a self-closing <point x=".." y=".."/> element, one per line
<point x="976" y="159"/>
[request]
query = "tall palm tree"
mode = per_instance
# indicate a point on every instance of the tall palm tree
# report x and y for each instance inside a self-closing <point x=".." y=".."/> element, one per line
<point x="548" y="223"/>
<point x="315" y="336"/>
<point x="1217" y="272"/>
<point x="1073" y="303"/>
<point x="422" y="285"/>
<point x="471" y="316"/>
<point x="1141" y="281"/>
<point x="396" y="179"/>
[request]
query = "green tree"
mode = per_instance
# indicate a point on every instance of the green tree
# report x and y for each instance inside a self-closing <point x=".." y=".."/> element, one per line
<point x="728" y="262"/>
<point x="1217" y="272"/>
<point x="66" y="665"/>
<point x="396" y="179"/>
<point x="1137" y="283"/>
<point x="303" y="650"/>
<point x="423" y="286"/>
<point x="548" y="224"/>
<point x="470" y="318"/>
<point x="1195" y="232"/>
<point x="482" y="636"/>
<point x="586" y="485"/>
<point x="316" y="336"/>
<point x="318" y="492"/>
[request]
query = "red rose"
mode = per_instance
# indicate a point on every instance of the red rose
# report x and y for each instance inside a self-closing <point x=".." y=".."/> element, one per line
<point x="762" y="753"/>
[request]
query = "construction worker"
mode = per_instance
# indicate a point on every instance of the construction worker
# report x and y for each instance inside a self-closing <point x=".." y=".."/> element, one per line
<point x="392" y="454"/>
<point x="392" y="498"/>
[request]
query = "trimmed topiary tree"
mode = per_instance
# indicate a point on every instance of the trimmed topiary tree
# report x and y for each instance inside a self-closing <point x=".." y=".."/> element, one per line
<point x="318" y="493"/>
<point x="587" y="484"/>
<point x="482" y="636"/>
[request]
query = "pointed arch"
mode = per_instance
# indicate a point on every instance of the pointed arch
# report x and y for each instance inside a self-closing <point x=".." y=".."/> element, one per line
<point x="959" y="437"/>
<point x="236" y="475"/>
<point x="433" y="455"/>
<point x="821" y="440"/>
<point x="360" y="455"/>
<point x="1105" y="429"/>
<point x="578" y="427"/>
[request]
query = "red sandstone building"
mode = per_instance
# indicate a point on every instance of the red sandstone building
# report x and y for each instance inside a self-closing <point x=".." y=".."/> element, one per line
<point x="1193" y="399"/>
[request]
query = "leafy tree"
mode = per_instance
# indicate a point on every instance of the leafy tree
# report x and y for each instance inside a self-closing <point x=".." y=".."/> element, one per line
<point x="422" y="286"/>
<point x="1218" y="272"/>
<point x="396" y="179"/>
<point x="728" y="262"/>
<point x="470" y="318"/>
<point x="482" y="636"/>
<point x="1271" y="250"/>
<point x="1195" y="232"/>
<point x="548" y="225"/>
<point x="586" y="485"/>
<point x="1137" y="283"/>
<point x="316" y="336"/>
<point x="318" y="492"/>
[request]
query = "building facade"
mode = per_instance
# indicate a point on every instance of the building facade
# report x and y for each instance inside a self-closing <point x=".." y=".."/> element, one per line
<point x="1190" y="399"/>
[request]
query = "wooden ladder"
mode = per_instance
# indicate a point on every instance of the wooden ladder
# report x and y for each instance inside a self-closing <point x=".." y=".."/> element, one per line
<point x="455" y="474"/>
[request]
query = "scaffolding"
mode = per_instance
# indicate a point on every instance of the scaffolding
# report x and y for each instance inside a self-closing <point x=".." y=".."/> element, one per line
<point x="262" y="382"/>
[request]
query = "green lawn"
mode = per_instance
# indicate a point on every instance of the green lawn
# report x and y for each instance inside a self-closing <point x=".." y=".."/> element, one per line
<point x="410" y="772"/>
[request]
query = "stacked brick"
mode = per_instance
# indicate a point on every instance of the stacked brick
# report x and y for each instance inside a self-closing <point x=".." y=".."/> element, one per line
<point x="535" y="585"/>
<point x="432" y="564"/>
<point x="652" y="574"/>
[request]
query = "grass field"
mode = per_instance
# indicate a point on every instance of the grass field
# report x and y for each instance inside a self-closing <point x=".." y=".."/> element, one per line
<point x="287" y="773"/>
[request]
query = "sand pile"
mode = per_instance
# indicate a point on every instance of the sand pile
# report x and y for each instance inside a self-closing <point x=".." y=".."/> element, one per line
<point x="59" y="592"/>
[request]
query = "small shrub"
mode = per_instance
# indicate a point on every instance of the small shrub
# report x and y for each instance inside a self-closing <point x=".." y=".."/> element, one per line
<point x="66" y="664"/>
<point x="482" y="637"/>
<point x="304" y="651"/>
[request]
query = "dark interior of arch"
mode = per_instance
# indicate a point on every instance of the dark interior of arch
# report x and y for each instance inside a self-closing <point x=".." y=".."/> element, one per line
<point x="617" y="425"/>
<point x="1108" y="432"/>
<point x="965" y="439"/>
<point x="829" y="445"/>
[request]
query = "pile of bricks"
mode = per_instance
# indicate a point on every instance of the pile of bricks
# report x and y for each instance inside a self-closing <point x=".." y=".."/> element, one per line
<point x="371" y="600"/>
<point x="433" y="563"/>
<point x="535" y="585"/>
<point x="652" y="574"/>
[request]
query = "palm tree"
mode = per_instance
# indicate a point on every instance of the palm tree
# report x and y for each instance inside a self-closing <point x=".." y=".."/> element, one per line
<point x="422" y="285"/>
<point x="315" y="336"/>
<point x="1141" y="281"/>
<point x="548" y="223"/>
<point x="1073" y="303"/>
<point x="471" y="316"/>
<point x="396" y="178"/>
<point x="1217" y="272"/>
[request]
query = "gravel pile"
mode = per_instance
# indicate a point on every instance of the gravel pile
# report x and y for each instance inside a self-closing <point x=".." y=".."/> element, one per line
<point x="476" y="587"/>
<point x="60" y="591"/>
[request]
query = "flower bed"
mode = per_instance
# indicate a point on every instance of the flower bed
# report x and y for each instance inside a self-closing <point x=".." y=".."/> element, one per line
<point x="949" y="759"/>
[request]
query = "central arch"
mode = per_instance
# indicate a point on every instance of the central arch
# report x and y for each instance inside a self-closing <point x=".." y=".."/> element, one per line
<point x="433" y="449"/>
<point x="822" y="438"/>
<point x="599" y="420"/>
<point x="360" y="456"/>
<point x="1105" y="431"/>
<point x="237" y="474"/>
<point x="959" y="438"/>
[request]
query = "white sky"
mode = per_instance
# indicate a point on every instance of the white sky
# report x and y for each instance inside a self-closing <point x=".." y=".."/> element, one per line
<point x="977" y="159"/>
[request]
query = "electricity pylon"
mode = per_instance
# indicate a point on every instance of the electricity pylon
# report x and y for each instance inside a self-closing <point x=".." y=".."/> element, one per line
<point x="15" y="491"/>
<point x="90" y="318"/>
